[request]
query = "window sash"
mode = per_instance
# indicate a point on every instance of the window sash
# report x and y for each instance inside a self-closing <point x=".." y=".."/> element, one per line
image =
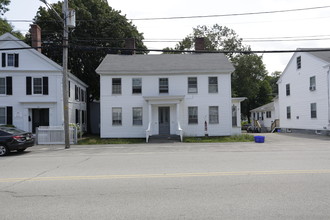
<point x="288" y="112"/>
<point x="192" y="85"/>
<point x="136" y="85"/>
<point x="37" y="85"/>
<point x="3" y="116"/>
<point x="193" y="115"/>
<point x="299" y="62"/>
<point x="116" y="86"/>
<point x="313" y="110"/>
<point x="137" y="116"/>
<point x="213" y="114"/>
<point x="10" y="59"/>
<point x="163" y="85"/>
<point x="2" y="86"/>
<point x="213" y="84"/>
<point x="116" y="116"/>
<point x="287" y="89"/>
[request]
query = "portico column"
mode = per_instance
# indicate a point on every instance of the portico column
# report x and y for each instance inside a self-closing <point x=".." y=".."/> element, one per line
<point x="150" y="113"/>
<point x="178" y="113"/>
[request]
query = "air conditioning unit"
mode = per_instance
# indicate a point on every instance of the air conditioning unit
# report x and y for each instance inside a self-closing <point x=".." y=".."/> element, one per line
<point x="312" y="88"/>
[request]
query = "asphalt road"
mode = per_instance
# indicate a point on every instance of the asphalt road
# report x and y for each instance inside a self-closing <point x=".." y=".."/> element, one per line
<point x="287" y="177"/>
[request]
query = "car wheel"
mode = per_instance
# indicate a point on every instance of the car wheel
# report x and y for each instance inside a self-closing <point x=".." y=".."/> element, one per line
<point x="3" y="150"/>
<point x="21" y="150"/>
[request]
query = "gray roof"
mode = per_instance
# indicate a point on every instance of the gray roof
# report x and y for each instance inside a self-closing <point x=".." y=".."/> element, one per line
<point x="324" y="55"/>
<point x="267" y="107"/>
<point x="165" y="64"/>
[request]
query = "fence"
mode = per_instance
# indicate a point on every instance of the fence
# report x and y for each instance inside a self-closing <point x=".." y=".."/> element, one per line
<point x="55" y="135"/>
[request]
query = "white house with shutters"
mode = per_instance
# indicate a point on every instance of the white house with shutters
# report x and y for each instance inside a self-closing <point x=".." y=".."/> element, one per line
<point x="31" y="88"/>
<point x="168" y="94"/>
<point x="304" y="103"/>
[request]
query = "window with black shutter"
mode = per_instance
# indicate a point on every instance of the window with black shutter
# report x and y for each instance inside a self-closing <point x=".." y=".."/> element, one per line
<point x="3" y="59"/>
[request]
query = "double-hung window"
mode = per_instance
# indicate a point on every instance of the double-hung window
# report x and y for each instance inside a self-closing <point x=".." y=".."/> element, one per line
<point x="213" y="114"/>
<point x="192" y="85"/>
<point x="2" y="116"/>
<point x="137" y="85"/>
<point x="299" y="62"/>
<point x="10" y="59"/>
<point x="6" y="85"/>
<point x="2" y="86"/>
<point x="288" y="112"/>
<point x="312" y="83"/>
<point x="287" y="87"/>
<point x="37" y="85"/>
<point x="137" y="116"/>
<point x="213" y="84"/>
<point x="163" y="85"/>
<point x="193" y="115"/>
<point x="116" y="86"/>
<point x="313" y="110"/>
<point x="116" y="116"/>
<point x="268" y="114"/>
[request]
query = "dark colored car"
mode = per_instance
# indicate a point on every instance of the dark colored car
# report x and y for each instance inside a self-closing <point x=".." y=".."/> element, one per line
<point x="14" y="139"/>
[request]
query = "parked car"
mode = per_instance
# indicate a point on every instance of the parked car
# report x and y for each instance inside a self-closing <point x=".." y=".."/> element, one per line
<point x="14" y="139"/>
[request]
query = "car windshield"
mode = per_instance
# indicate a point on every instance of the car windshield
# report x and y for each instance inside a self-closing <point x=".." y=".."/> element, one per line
<point x="11" y="130"/>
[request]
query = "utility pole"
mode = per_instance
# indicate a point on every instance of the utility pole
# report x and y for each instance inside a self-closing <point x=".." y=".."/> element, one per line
<point x="66" y="16"/>
<point x="65" y="74"/>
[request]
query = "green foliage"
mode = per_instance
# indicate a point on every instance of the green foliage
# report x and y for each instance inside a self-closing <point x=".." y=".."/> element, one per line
<point x="98" y="26"/>
<point x="234" y="138"/>
<point x="217" y="38"/>
<point x="95" y="140"/>
<point x="3" y="6"/>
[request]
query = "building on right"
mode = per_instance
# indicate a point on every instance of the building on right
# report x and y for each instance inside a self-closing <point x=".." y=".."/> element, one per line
<point x="304" y="103"/>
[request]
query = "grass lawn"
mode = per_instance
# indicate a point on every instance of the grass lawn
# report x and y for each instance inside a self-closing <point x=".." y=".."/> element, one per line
<point x="235" y="138"/>
<point x="97" y="140"/>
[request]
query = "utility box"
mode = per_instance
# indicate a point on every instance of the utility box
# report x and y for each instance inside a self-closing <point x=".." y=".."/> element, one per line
<point x="71" y="18"/>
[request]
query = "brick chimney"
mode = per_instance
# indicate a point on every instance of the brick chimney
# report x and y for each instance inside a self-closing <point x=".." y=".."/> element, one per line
<point x="36" y="37"/>
<point x="129" y="46"/>
<point x="199" y="43"/>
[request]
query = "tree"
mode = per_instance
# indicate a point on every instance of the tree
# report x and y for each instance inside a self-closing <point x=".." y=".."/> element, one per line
<point x="250" y="72"/>
<point x="98" y="28"/>
<point x="248" y="81"/>
<point x="3" y="6"/>
<point x="272" y="79"/>
<point x="217" y="38"/>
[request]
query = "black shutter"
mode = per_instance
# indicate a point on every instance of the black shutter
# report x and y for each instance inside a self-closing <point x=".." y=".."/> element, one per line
<point x="3" y="59"/>
<point x="9" y="115"/>
<point x="45" y="85"/>
<point x="9" y="85"/>
<point x="28" y="85"/>
<point x="16" y="60"/>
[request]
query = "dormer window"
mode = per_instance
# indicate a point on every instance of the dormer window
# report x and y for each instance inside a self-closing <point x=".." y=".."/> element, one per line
<point x="10" y="59"/>
<point x="298" y="62"/>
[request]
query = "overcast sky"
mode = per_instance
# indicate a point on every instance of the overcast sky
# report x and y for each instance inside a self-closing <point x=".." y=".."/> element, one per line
<point x="309" y="24"/>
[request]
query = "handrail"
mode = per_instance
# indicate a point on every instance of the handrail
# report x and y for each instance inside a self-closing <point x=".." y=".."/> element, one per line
<point x="180" y="132"/>
<point x="148" y="132"/>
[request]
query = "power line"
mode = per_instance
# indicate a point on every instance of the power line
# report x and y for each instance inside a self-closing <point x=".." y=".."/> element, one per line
<point x="88" y="48"/>
<point x="200" y="16"/>
<point x="233" y="14"/>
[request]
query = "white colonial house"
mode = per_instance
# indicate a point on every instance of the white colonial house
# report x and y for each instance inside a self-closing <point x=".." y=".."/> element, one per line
<point x="182" y="94"/>
<point x="304" y="103"/>
<point x="266" y="117"/>
<point x="31" y="88"/>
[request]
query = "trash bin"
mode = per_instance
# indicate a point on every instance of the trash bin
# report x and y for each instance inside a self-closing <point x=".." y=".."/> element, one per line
<point x="259" y="139"/>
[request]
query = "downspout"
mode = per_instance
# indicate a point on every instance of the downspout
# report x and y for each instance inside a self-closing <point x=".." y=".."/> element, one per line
<point x="328" y="78"/>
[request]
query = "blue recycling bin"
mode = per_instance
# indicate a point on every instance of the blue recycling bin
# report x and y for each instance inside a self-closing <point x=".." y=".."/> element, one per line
<point x="259" y="139"/>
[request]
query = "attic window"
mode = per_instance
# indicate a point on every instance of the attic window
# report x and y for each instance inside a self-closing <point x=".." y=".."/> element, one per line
<point x="299" y="62"/>
<point x="10" y="59"/>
